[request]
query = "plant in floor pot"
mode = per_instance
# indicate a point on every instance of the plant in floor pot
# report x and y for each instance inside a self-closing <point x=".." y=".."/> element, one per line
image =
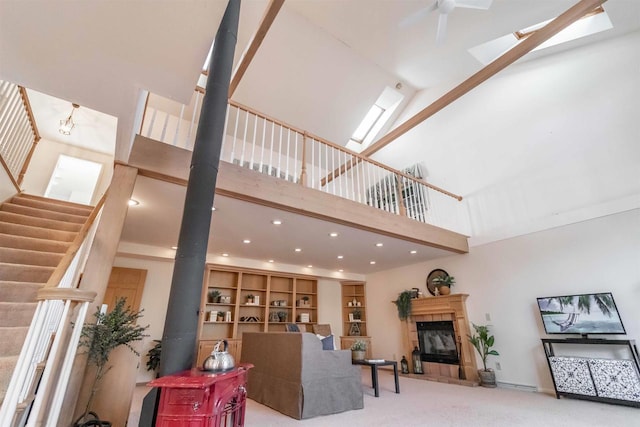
<point x="483" y="342"/>
<point x="153" y="357"/>
<point x="358" y="349"/>
<point x="118" y="327"/>
<point x="444" y="284"/>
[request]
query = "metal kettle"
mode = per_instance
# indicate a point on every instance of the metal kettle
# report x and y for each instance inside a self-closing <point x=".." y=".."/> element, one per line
<point x="219" y="360"/>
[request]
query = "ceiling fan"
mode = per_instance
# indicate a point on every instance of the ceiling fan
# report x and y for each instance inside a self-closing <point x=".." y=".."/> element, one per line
<point x="444" y="8"/>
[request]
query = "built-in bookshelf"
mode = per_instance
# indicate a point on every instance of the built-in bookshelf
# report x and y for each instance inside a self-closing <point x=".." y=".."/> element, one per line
<point x="354" y="315"/>
<point x="252" y="301"/>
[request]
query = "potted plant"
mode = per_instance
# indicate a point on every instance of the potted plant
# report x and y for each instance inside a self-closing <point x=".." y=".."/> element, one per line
<point x="153" y="357"/>
<point x="404" y="304"/>
<point x="250" y="299"/>
<point x="109" y="332"/>
<point x="483" y="342"/>
<point x="214" y="296"/>
<point x="444" y="284"/>
<point x="357" y="314"/>
<point x="358" y="349"/>
<point x="304" y="301"/>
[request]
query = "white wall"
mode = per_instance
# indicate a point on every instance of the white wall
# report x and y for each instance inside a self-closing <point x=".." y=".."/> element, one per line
<point x="44" y="162"/>
<point x="544" y="143"/>
<point x="503" y="279"/>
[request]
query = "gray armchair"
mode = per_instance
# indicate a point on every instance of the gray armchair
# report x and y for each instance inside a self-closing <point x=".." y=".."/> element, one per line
<point x="293" y="375"/>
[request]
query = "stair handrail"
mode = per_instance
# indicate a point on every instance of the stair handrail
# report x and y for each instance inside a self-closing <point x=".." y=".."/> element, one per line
<point x="60" y="306"/>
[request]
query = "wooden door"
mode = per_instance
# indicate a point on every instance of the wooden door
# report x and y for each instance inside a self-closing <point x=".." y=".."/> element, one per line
<point x="125" y="283"/>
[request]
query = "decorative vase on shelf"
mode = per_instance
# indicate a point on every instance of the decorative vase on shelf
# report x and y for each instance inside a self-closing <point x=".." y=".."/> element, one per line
<point x="444" y="290"/>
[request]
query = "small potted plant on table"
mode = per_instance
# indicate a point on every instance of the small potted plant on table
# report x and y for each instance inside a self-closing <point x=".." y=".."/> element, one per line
<point x="358" y="349"/>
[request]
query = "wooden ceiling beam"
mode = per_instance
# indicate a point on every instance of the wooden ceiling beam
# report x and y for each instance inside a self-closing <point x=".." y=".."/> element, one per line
<point x="567" y="18"/>
<point x="267" y="19"/>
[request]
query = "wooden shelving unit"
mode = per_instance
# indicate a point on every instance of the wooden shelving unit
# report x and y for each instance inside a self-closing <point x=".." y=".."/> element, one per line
<point x="354" y="303"/>
<point x="273" y="293"/>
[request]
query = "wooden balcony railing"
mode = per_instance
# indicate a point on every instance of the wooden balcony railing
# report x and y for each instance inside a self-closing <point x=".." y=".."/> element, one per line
<point x="264" y="144"/>
<point x="18" y="131"/>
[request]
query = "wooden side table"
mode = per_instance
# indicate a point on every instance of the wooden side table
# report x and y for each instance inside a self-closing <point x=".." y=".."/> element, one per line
<point x="374" y="371"/>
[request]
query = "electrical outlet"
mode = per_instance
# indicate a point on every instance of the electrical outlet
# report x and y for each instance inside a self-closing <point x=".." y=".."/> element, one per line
<point x="394" y="357"/>
<point x="488" y="317"/>
<point x="498" y="367"/>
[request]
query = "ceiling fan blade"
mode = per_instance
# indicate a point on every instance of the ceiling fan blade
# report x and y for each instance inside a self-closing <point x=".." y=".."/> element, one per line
<point x="442" y="28"/>
<point x="474" y="4"/>
<point x="418" y="16"/>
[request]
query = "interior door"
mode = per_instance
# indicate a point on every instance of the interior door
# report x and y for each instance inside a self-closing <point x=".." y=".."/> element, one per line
<point x="125" y="283"/>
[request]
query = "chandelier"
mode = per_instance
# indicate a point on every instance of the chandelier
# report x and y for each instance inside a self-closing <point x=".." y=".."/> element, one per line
<point x="67" y="124"/>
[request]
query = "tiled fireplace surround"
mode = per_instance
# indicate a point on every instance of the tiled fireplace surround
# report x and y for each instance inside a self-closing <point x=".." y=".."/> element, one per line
<point x="445" y="307"/>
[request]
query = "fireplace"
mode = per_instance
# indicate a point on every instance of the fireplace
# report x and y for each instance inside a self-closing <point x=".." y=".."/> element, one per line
<point x="438" y="342"/>
<point x="438" y="326"/>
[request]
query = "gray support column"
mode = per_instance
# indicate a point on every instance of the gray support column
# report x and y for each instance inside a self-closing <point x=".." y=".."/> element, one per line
<point x="181" y="324"/>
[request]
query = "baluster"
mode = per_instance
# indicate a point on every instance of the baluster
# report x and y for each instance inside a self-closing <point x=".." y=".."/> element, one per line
<point x="7" y="125"/>
<point x="402" y="209"/>
<point x="244" y="137"/>
<point x="253" y="146"/>
<point x="313" y="165"/>
<point x="303" y="166"/>
<point x="175" y="135"/>
<point x="163" y="133"/>
<point x="286" y="165"/>
<point x="295" y="156"/>
<point x="224" y="131"/>
<point x="193" y="119"/>
<point x="280" y="154"/>
<point x="263" y="143"/>
<point x="355" y="180"/>
<point x="235" y="136"/>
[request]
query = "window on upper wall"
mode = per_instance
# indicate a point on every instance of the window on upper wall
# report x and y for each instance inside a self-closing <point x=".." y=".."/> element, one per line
<point x="593" y="22"/>
<point x="375" y="119"/>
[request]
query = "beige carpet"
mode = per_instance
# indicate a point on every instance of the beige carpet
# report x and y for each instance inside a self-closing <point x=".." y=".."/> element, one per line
<point x="426" y="403"/>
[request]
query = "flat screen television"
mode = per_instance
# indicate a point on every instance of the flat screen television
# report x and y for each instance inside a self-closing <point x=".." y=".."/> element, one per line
<point x="581" y="314"/>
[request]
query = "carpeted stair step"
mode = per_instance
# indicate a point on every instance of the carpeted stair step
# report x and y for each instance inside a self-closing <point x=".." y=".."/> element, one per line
<point x="27" y="257"/>
<point x="54" y="205"/>
<point x="12" y="339"/>
<point x="43" y="213"/>
<point x="36" y="232"/>
<point x="24" y="273"/>
<point x="19" y="291"/>
<point x="17" y="313"/>
<point x="33" y="244"/>
<point x="39" y="222"/>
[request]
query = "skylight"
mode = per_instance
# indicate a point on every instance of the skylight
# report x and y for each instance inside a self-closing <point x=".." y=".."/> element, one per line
<point x="375" y="119"/>
<point x="594" y="22"/>
<point x="372" y="117"/>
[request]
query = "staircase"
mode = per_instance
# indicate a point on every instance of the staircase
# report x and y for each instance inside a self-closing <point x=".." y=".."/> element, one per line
<point x="35" y="233"/>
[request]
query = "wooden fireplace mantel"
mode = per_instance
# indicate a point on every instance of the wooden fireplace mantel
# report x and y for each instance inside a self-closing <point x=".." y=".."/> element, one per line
<point x="444" y="307"/>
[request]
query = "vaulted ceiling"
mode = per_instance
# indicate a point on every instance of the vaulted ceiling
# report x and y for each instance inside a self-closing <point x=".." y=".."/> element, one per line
<point x="321" y="66"/>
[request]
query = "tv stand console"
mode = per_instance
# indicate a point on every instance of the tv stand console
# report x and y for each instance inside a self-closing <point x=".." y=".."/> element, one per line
<point x="611" y="380"/>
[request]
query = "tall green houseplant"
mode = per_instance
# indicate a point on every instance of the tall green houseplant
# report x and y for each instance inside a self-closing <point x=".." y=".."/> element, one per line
<point x="404" y="304"/>
<point x="118" y="327"/>
<point x="483" y="342"/>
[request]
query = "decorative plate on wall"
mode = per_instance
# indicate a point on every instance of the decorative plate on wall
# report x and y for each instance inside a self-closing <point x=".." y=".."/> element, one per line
<point x="431" y="287"/>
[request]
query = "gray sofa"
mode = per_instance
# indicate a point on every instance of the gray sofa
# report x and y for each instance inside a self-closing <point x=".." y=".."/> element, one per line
<point x="293" y="375"/>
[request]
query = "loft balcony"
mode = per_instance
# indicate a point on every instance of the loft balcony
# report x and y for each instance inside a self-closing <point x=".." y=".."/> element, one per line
<point x="267" y="162"/>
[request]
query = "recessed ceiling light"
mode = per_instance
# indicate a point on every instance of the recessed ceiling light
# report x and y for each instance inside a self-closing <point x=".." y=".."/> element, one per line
<point x="213" y="208"/>
<point x="298" y="250"/>
<point x="341" y="270"/>
<point x="340" y="256"/>
<point x="276" y="222"/>
<point x="270" y="260"/>
<point x="310" y="266"/>
<point x="174" y="247"/>
<point x="333" y="234"/>
<point x="413" y="252"/>
<point x="246" y="241"/>
<point x="225" y="254"/>
<point x="379" y="244"/>
<point x="133" y="202"/>
<point x="372" y="262"/>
